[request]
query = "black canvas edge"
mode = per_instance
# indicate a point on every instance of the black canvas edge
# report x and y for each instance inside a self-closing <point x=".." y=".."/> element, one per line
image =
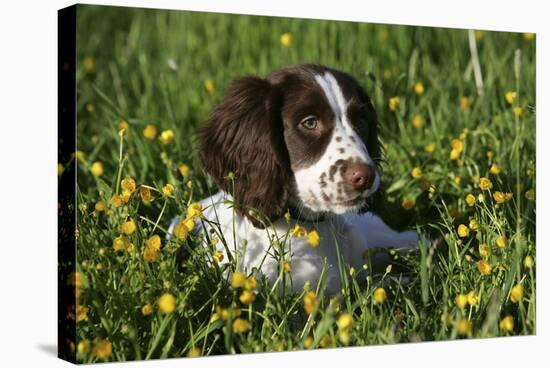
<point x="66" y="192"/>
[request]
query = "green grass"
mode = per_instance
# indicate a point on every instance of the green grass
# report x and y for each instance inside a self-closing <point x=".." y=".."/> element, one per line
<point x="131" y="80"/>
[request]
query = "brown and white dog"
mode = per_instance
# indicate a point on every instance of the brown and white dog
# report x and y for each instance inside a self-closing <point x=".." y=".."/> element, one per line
<point x="302" y="140"/>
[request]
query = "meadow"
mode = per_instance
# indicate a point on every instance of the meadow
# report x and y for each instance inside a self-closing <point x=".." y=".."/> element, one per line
<point x="459" y="164"/>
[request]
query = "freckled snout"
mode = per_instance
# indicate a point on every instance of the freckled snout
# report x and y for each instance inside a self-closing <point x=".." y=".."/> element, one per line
<point x="359" y="176"/>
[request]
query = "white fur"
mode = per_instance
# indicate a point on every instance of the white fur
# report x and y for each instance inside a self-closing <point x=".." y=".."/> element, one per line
<point x="307" y="179"/>
<point x="352" y="234"/>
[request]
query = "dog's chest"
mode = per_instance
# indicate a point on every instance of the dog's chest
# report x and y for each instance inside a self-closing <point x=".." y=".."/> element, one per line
<point x="276" y="249"/>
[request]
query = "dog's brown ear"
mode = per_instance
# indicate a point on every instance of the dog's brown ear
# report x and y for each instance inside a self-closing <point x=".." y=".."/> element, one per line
<point x="244" y="135"/>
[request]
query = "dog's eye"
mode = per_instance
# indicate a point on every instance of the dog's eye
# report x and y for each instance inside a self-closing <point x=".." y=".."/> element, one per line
<point x="309" y="123"/>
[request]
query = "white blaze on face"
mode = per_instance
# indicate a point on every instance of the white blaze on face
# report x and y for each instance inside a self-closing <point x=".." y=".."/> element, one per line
<point x="316" y="185"/>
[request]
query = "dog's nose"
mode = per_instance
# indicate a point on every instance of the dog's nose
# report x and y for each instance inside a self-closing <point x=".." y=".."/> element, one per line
<point x="359" y="176"/>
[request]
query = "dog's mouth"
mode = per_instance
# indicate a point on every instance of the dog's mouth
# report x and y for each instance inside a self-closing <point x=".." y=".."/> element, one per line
<point x="354" y="202"/>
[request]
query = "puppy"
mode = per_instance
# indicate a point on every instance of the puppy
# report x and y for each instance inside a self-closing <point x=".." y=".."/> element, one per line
<point x="299" y="147"/>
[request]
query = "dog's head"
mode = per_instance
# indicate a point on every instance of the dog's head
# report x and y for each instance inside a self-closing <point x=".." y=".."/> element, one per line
<point x="304" y="138"/>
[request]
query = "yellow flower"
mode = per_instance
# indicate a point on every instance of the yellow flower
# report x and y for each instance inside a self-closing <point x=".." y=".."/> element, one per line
<point x="123" y="125"/>
<point x="247" y="297"/>
<point x="150" y="254"/>
<point x="60" y="169"/>
<point x="128" y="227"/>
<point x="495" y="169"/>
<point x="184" y="170"/>
<point x="128" y="185"/>
<point x="168" y="190"/>
<point x="154" y="242"/>
<point x="125" y="197"/>
<point x="77" y="280"/>
<point x="457" y="179"/>
<point x="97" y="169"/>
<point x="167" y="137"/>
<point x="379" y="295"/>
<point x="465" y="102"/>
<point x="507" y="324"/>
<point x="418" y="88"/>
<point x="501" y="197"/>
<point x="167" y="303"/>
<point x="150" y="131"/>
<point x="325" y="342"/>
<point x="484" y="250"/>
<point x="461" y="300"/>
<point x="463" y="231"/>
<point x="100" y="206"/>
<point x="417" y="121"/>
<point x="217" y="256"/>
<point x="473" y="225"/>
<point x="83" y="347"/>
<point x="101" y="251"/>
<point x="238" y="280"/>
<point x="344" y="336"/>
<point x="298" y="231"/>
<point x="81" y="313"/>
<point x="484" y="267"/>
<point x="528" y="262"/>
<point x="393" y="103"/>
<point x="240" y="325"/>
<point x="454" y="154"/>
<point x="501" y="242"/>
<point x="194" y="210"/>
<point x="189" y="223"/>
<point x="485" y="183"/>
<point x="510" y="96"/>
<point x="90" y="107"/>
<point x="430" y="148"/>
<point x="310" y="300"/>
<point x="528" y="36"/>
<point x="313" y="239"/>
<point x="530" y="194"/>
<point x="181" y="231"/>
<point x="224" y="313"/>
<point x="518" y="111"/>
<point x="516" y="295"/>
<point x="286" y="39"/>
<point x="458" y="145"/>
<point x="470" y="200"/>
<point x="464" y="327"/>
<point x="103" y="349"/>
<point x="287" y="266"/>
<point x="80" y="156"/>
<point x="472" y="298"/>
<point x="308" y="342"/>
<point x="147" y="309"/>
<point x="407" y="203"/>
<point x="120" y="243"/>
<point x="416" y="172"/>
<point x="250" y="283"/>
<point x="194" y="352"/>
<point x="145" y="194"/>
<point x="345" y="321"/>
<point x="209" y="86"/>
<point x="89" y="64"/>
